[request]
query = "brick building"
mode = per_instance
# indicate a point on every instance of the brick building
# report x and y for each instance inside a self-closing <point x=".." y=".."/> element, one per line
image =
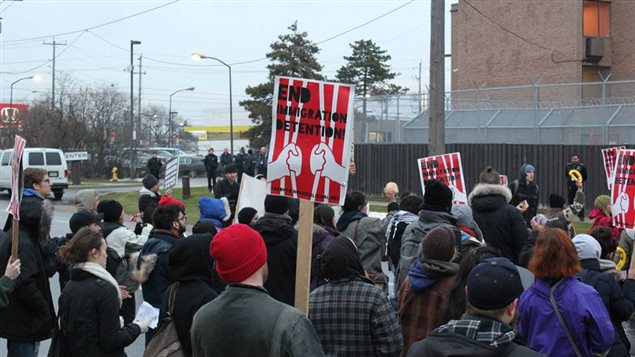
<point x="501" y="43"/>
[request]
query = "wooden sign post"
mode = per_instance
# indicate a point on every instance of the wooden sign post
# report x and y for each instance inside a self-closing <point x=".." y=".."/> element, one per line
<point x="303" y="260"/>
<point x="309" y="156"/>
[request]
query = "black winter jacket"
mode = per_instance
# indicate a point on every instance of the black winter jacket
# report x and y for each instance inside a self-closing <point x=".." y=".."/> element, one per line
<point x="30" y="315"/>
<point x="619" y="301"/>
<point x="502" y="224"/>
<point x="282" y="245"/>
<point x="89" y="317"/>
<point x="155" y="276"/>
<point x="148" y="202"/>
<point x="439" y="344"/>
<point x="191" y="268"/>
<point x="522" y="190"/>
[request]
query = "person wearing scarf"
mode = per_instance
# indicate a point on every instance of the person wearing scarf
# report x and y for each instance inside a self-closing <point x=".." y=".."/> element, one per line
<point x="350" y="299"/>
<point x="90" y="302"/>
<point x="423" y="303"/>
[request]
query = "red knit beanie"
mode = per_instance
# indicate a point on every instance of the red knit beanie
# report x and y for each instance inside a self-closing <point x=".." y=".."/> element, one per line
<point x="239" y="252"/>
<point x="169" y="200"/>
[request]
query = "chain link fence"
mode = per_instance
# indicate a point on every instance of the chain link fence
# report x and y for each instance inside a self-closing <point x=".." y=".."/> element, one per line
<point x="599" y="113"/>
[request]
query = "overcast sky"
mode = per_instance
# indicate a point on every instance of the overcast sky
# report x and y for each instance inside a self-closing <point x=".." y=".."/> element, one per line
<point x="234" y="31"/>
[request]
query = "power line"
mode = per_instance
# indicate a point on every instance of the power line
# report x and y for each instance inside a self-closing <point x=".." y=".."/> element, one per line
<point x="47" y="61"/>
<point x="365" y="23"/>
<point x="94" y="27"/>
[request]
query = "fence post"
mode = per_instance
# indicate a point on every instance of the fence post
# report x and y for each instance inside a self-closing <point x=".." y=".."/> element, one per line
<point x="604" y="83"/>
<point x="397" y="138"/>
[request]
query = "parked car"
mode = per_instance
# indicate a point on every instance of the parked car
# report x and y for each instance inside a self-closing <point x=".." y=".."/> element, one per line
<point x="191" y="165"/>
<point x="52" y="160"/>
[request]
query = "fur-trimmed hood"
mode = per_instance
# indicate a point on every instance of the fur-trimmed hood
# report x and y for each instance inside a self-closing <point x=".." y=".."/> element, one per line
<point x="486" y="189"/>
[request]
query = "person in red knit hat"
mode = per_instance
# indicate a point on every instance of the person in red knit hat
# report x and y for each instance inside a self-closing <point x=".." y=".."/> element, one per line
<point x="245" y="320"/>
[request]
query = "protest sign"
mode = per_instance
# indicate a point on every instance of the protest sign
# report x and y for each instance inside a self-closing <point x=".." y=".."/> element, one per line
<point x="16" y="175"/>
<point x="446" y="168"/>
<point x="502" y="179"/>
<point x="16" y="193"/>
<point x="623" y="192"/>
<point x="252" y="194"/>
<point x="608" y="156"/>
<point x="311" y="137"/>
<point x="171" y="173"/>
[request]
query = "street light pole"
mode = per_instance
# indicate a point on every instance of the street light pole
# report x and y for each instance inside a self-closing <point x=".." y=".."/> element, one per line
<point x="34" y="77"/>
<point x="198" y="56"/>
<point x="132" y="126"/>
<point x="171" y="141"/>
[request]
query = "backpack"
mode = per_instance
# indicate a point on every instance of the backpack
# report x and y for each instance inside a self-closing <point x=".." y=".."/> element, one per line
<point x="165" y="342"/>
<point x="393" y="243"/>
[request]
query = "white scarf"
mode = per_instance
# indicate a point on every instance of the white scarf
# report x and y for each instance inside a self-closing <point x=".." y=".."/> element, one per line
<point x="100" y="272"/>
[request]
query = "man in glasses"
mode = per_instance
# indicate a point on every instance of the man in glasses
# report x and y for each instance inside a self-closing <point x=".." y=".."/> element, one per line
<point x="152" y="269"/>
<point x="30" y="316"/>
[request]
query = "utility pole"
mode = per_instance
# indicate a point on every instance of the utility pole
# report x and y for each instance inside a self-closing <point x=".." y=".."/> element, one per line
<point x="436" y="109"/>
<point x="54" y="44"/>
<point x="420" y="97"/>
<point x="133" y="135"/>
<point x="140" y="73"/>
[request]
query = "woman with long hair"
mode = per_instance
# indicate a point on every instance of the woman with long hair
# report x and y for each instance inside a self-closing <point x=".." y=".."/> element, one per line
<point x="559" y="315"/>
<point x="90" y="303"/>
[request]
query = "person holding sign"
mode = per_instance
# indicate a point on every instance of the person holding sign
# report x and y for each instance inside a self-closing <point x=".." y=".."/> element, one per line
<point x="30" y="316"/>
<point x="7" y="282"/>
<point x="229" y="188"/>
<point x="572" y="187"/>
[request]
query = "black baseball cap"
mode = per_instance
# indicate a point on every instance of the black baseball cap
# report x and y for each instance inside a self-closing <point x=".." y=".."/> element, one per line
<point x="493" y="284"/>
<point x="84" y="218"/>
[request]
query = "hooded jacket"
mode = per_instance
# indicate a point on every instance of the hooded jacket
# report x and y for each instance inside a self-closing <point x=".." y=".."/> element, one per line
<point x="151" y="268"/>
<point x="321" y="239"/>
<point x="212" y="210"/>
<point x="473" y="336"/>
<point x="502" y="224"/>
<point x="84" y="199"/>
<point x="30" y="316"/>
<point x="522" y="190"/>
<point x="414" y="234"/>
<point x="89" y="316"/>
<point x="281" y="240"/>
<point x="619" y="302"/>
<point x="602" y="220"/>
<point x="148" y="202"/>
<point x="368" y="234"/>
<point x="122" y="243"/>
<point x="191" y="269"/>
<point x="582" y="309"/>
<point x="423" y="302"/>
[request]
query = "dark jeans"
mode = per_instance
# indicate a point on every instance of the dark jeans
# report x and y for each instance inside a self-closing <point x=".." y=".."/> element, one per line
<point x="211" y="175"/>
<point x="22" y="349"/>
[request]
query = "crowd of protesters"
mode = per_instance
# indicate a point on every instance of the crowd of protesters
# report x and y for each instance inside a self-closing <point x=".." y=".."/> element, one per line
<point x="493" y="277"/>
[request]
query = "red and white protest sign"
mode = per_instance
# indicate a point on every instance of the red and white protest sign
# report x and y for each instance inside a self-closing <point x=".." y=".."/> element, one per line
<point x="14" y="202"/>
<point x="448" y="169"/>
<point x="502" y="179"/>
<point x="623" y="192"/>
<point x="609" y="155"/>
<point x="311" y="137"/>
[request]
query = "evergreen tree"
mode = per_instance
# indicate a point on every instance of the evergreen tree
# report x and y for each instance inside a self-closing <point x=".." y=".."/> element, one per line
<point x="293" y="55"/>
<point x="368" y="69"/>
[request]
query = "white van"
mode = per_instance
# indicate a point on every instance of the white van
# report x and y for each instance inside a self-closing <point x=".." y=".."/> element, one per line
<point x="52" y="160"/>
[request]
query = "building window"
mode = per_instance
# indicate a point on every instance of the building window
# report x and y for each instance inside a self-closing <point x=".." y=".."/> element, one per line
<point x="591" y="89"/>
<point x="596" y="21"/>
